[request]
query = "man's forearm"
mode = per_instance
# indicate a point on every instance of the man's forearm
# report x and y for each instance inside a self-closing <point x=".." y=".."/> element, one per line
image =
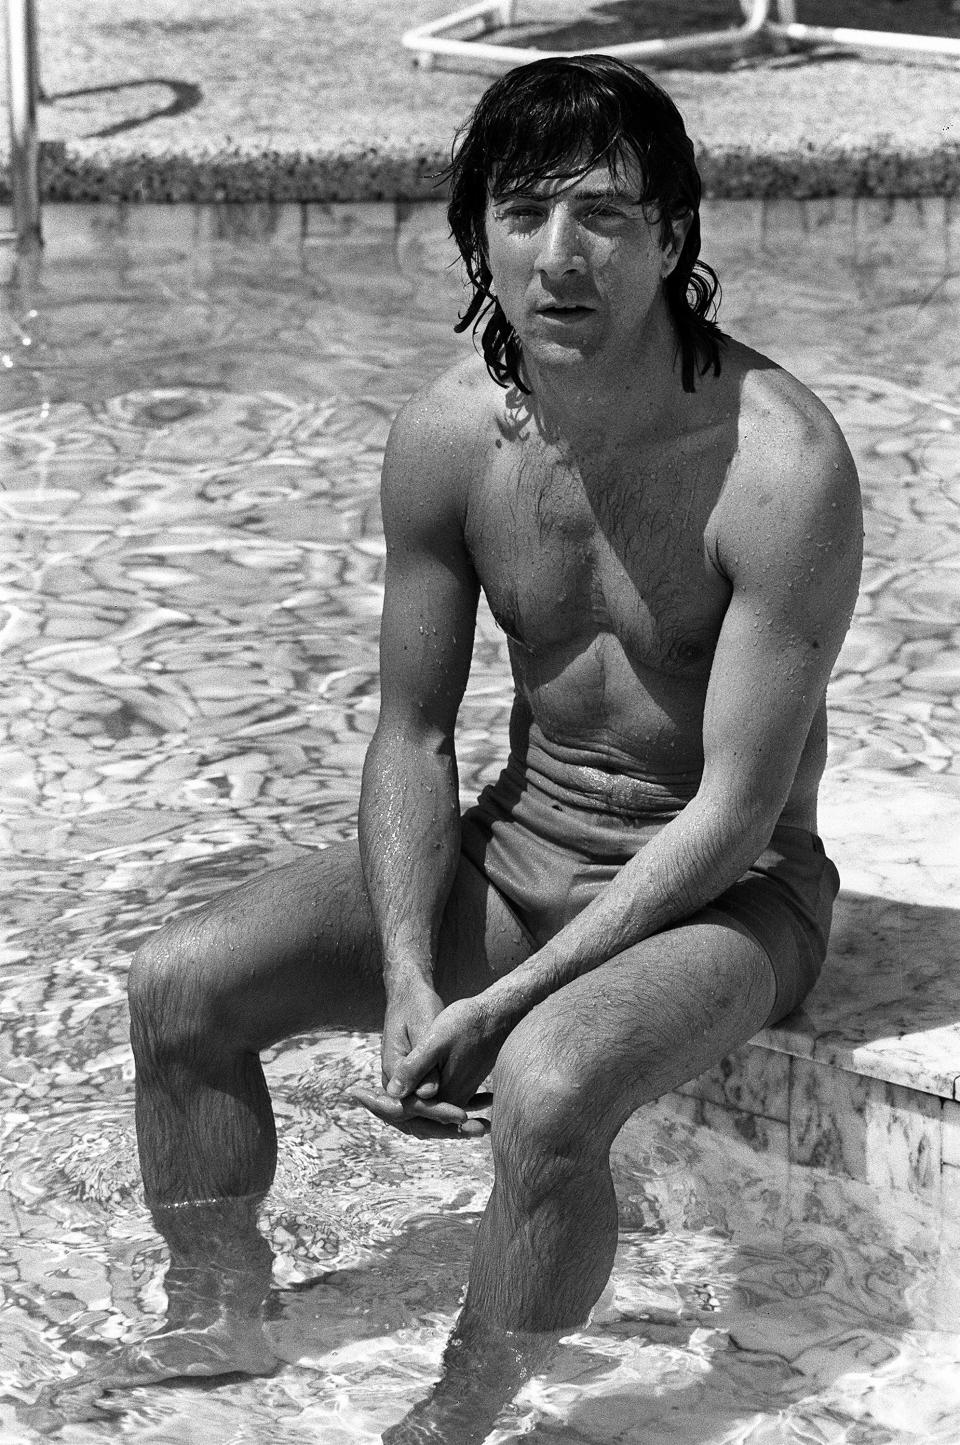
<point x="409" y="845"/>
<point x="696" y="856"/>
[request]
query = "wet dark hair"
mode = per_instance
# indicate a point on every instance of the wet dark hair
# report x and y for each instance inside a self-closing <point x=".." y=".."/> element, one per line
<point x="557" y="118"/>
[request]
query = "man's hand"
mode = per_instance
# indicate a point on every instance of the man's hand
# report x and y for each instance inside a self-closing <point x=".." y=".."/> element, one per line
<point x="412" y="1008"/>
<point x="454" y="1055"/>
<point x="431" y="1084"/>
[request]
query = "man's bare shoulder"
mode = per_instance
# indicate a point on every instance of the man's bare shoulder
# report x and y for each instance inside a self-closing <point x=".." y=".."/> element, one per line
<point x="792" y="491"/>
<point x="450" y="415"/>
<point x="437" y="447"/>
<point x="790" y="449"/>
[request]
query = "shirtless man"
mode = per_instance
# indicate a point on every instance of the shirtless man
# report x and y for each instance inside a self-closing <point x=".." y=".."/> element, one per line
<point x="667" y="527"/>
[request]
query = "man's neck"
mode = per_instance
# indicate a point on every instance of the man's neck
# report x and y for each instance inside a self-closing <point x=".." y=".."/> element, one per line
<point x="615" y="398"/>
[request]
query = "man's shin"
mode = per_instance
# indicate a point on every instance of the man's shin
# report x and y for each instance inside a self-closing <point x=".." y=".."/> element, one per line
<point x="483" y="1368"/>
<point x="220" y="1263"/>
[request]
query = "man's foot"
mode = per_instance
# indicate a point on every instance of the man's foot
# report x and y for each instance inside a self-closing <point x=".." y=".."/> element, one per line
<point x="411" y="1431"/>
<point x="222" y="1348"/>
<point x="440" y="1422"/>
<point x="483" y="1368"/>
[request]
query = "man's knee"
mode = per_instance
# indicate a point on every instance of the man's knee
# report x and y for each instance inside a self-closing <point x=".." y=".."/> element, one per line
<point x="173" y="1008"/>
<point x="547" y="1121"/>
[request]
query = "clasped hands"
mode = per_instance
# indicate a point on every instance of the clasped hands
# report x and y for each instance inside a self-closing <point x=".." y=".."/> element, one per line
<point x="434" y="1059"/>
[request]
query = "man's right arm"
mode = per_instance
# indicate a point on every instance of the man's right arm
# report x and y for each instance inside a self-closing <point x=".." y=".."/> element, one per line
<point x="409" y="803"/>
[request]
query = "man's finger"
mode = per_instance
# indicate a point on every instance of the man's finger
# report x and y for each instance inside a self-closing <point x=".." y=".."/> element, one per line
<point x="421" y="1062"/>
<point x="395" y="1111"/>
<point x="429" y="1086"/>
<point x="419" y="1119"/>
<point x="474" y="1128"/>
<point x="431" y="1109"/>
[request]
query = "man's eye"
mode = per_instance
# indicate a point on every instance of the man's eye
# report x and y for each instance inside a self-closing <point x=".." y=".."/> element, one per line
<point x="519" y="218"/>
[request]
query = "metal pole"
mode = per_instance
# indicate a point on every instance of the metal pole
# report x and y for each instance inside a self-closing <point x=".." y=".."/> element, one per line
<point x="23" y="87"/>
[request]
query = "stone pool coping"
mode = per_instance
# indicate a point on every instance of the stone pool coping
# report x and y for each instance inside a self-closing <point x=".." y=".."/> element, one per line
<point x="80" y="171"/>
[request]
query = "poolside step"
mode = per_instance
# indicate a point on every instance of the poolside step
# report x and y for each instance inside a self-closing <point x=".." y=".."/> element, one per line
<point x="864" y="1081"/>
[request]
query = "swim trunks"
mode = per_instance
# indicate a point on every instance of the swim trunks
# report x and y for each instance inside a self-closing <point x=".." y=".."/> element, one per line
<point x="548" y="856"/>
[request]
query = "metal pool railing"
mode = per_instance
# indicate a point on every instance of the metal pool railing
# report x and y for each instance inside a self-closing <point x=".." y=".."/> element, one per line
<point x="434" y="39"/>
<point x="23" y="89"/>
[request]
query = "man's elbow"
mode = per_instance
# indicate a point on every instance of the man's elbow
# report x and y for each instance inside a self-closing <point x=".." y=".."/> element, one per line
<point x="411" y="735"/>
<point x="745" y="817"/>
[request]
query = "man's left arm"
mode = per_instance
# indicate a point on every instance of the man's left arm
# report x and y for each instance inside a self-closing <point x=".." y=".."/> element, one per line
<point x="794" y="577"/>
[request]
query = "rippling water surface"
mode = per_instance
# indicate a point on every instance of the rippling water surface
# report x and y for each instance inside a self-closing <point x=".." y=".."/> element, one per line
<point x="194" y="412"/>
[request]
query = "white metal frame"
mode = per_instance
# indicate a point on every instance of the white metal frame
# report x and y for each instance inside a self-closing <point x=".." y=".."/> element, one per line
<point x="434" y="39"/>
<point x="786" y="25"/>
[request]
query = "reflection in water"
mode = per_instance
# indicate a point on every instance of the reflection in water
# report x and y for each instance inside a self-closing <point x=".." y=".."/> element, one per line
<point x="192" y="566"/>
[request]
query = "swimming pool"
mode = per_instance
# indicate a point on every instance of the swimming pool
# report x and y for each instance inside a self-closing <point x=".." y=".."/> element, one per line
<point x="195" y="405"/>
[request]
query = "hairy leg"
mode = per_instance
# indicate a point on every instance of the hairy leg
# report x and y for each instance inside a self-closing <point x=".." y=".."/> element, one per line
<point x="567" y="1079"/>
<point x="278" y="955"/>
<point x="282" y="954"/>
<point x="290" y="951"/>
<point x="293" y="950"/>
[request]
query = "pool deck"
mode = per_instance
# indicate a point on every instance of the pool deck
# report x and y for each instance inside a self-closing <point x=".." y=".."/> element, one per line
<point x="210" y="100"/>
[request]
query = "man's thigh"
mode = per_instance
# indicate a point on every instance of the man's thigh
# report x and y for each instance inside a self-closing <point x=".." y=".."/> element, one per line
<point x="277" y="955"/>
<point x="480" y="937"/>
<point x="648" y="1020"/>
<point x="296" y="949"/>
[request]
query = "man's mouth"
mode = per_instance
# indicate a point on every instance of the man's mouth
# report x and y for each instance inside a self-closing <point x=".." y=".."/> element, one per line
<point x="567" y="310"/>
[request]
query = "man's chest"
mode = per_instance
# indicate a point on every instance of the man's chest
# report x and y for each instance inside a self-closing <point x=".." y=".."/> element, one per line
<point x="625" y="552"/>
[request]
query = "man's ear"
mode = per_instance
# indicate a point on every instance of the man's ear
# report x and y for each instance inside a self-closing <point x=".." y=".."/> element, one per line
<point x="679" y="229"/>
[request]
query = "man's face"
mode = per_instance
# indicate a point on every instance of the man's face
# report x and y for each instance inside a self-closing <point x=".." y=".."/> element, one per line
<point x="578" y="265"/>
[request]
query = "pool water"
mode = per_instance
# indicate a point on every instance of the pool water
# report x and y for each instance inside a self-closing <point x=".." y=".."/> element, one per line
<point x="195" y="405"/>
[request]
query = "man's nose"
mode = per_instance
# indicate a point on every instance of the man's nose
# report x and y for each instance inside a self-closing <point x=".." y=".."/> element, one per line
<point x="561" y="248"/>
